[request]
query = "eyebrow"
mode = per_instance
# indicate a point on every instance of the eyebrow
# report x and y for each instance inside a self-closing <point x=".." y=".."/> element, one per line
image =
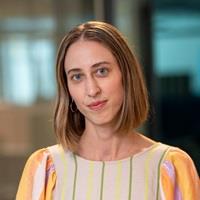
<point x="93" y="66"/>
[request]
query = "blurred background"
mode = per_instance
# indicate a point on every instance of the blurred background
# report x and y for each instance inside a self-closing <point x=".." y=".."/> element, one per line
<point x="165" y="35"/>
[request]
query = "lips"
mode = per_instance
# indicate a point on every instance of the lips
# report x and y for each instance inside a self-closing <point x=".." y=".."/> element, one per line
<point x="97" y="105"/>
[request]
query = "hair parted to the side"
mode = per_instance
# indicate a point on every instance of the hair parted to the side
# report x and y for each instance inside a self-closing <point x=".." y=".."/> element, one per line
<point x="69" y="125"/>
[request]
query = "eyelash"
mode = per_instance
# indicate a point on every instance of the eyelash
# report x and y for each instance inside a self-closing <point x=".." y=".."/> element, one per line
<point x="73" y="77"/>
<point x="104" y="69"/>
<point x="100" y="72"/>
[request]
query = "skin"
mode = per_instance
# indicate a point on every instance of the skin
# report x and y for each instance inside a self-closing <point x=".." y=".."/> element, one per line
<point x="95" y="84"/>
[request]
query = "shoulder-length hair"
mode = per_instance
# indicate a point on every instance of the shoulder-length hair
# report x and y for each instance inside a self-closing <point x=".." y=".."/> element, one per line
<point x="69" y="125"/>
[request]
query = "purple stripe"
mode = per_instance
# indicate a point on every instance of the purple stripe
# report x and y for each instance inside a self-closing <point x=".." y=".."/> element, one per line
<point x="171" y="172"/>
<point x="177" y="194"/>
<point x="49" y="171"/>
<point x="170" y="169"/>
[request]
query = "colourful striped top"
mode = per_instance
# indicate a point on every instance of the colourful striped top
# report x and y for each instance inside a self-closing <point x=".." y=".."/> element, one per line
<point x="160" y="172"/>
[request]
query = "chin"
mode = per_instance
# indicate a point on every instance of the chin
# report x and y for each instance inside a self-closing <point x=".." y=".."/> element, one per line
<point x="105" y="118"/>
<point x="101" y="121"/>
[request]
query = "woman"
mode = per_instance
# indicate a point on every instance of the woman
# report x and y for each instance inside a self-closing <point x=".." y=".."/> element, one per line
<point x="102" y="99"/>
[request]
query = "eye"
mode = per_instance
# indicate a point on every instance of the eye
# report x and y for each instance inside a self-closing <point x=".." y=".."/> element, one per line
<point x="102" y="71"/>
<point x="76" y="77"/>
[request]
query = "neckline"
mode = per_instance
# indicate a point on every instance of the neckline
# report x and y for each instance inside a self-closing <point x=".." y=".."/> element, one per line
<point x="84" y="160"/>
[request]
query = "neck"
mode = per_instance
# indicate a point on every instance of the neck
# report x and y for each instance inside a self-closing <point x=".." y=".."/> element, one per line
<point x="104" y="144"/>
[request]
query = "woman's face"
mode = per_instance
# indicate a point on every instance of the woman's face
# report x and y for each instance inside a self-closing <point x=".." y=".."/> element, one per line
<point x="94" y="81"/>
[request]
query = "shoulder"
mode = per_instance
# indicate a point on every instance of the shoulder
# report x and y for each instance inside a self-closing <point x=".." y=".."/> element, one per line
<point x="40" y="156"/>
<point x="49" y="159"/>
<point x="175" y="153"/>
<point x="179" y="159"/>
<point x="38" y="177"/>
<point x="179" y="175"/>
<point x="40" y="162"/>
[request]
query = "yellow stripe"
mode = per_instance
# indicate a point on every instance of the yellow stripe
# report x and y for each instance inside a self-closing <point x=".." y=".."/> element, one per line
<point x="90" y="181"/>
<point x="147" y="167"/>
<point x="64" y="180"/>
<point x="118" y="181"/>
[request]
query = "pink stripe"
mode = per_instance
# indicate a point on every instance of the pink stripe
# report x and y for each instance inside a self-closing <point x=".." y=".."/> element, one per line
<point x="171" y="172"/>
<point x="50" y="170"/>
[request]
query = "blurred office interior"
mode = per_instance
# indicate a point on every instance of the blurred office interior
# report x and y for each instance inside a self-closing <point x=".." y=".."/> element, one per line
<point x="165" y="35"/>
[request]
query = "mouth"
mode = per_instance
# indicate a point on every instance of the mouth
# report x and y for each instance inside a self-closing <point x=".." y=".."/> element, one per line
<point x="97" y="105"/>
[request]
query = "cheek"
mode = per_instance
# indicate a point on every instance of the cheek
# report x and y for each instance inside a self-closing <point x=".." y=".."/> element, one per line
<point x="114" y="90"/>
<point x="72" y="92"/>
<point x="120" y="94"/>
<point x="116" y="86"/>
<point x="76" y="94"/>
<point x="70" y="89"/>
<point x="118" y="90"/>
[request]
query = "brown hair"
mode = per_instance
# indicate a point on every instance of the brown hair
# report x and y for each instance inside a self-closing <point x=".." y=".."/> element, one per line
<point x="69" y="125"/>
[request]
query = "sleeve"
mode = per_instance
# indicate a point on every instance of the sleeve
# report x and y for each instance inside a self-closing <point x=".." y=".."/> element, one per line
<point x="179" y="178"/>
<point x="38" y="178"/>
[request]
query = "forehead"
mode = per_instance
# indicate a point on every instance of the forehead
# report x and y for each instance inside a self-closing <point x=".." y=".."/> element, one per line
<point x="86" y="53"/>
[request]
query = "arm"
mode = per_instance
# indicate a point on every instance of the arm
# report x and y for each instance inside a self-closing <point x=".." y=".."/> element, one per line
<point x="38" y="178"/>
<point x="179" y="177"/>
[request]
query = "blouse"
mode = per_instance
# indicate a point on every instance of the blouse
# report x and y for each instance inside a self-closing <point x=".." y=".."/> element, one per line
<point x="160" y="172"/>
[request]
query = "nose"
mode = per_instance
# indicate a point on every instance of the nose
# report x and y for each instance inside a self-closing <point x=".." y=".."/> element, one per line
<point x="92" y="87"/>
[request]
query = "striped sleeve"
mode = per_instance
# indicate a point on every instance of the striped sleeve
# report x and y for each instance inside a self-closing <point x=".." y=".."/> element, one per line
<point x="179" y="177"/>
<point x="38" y="178"/>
